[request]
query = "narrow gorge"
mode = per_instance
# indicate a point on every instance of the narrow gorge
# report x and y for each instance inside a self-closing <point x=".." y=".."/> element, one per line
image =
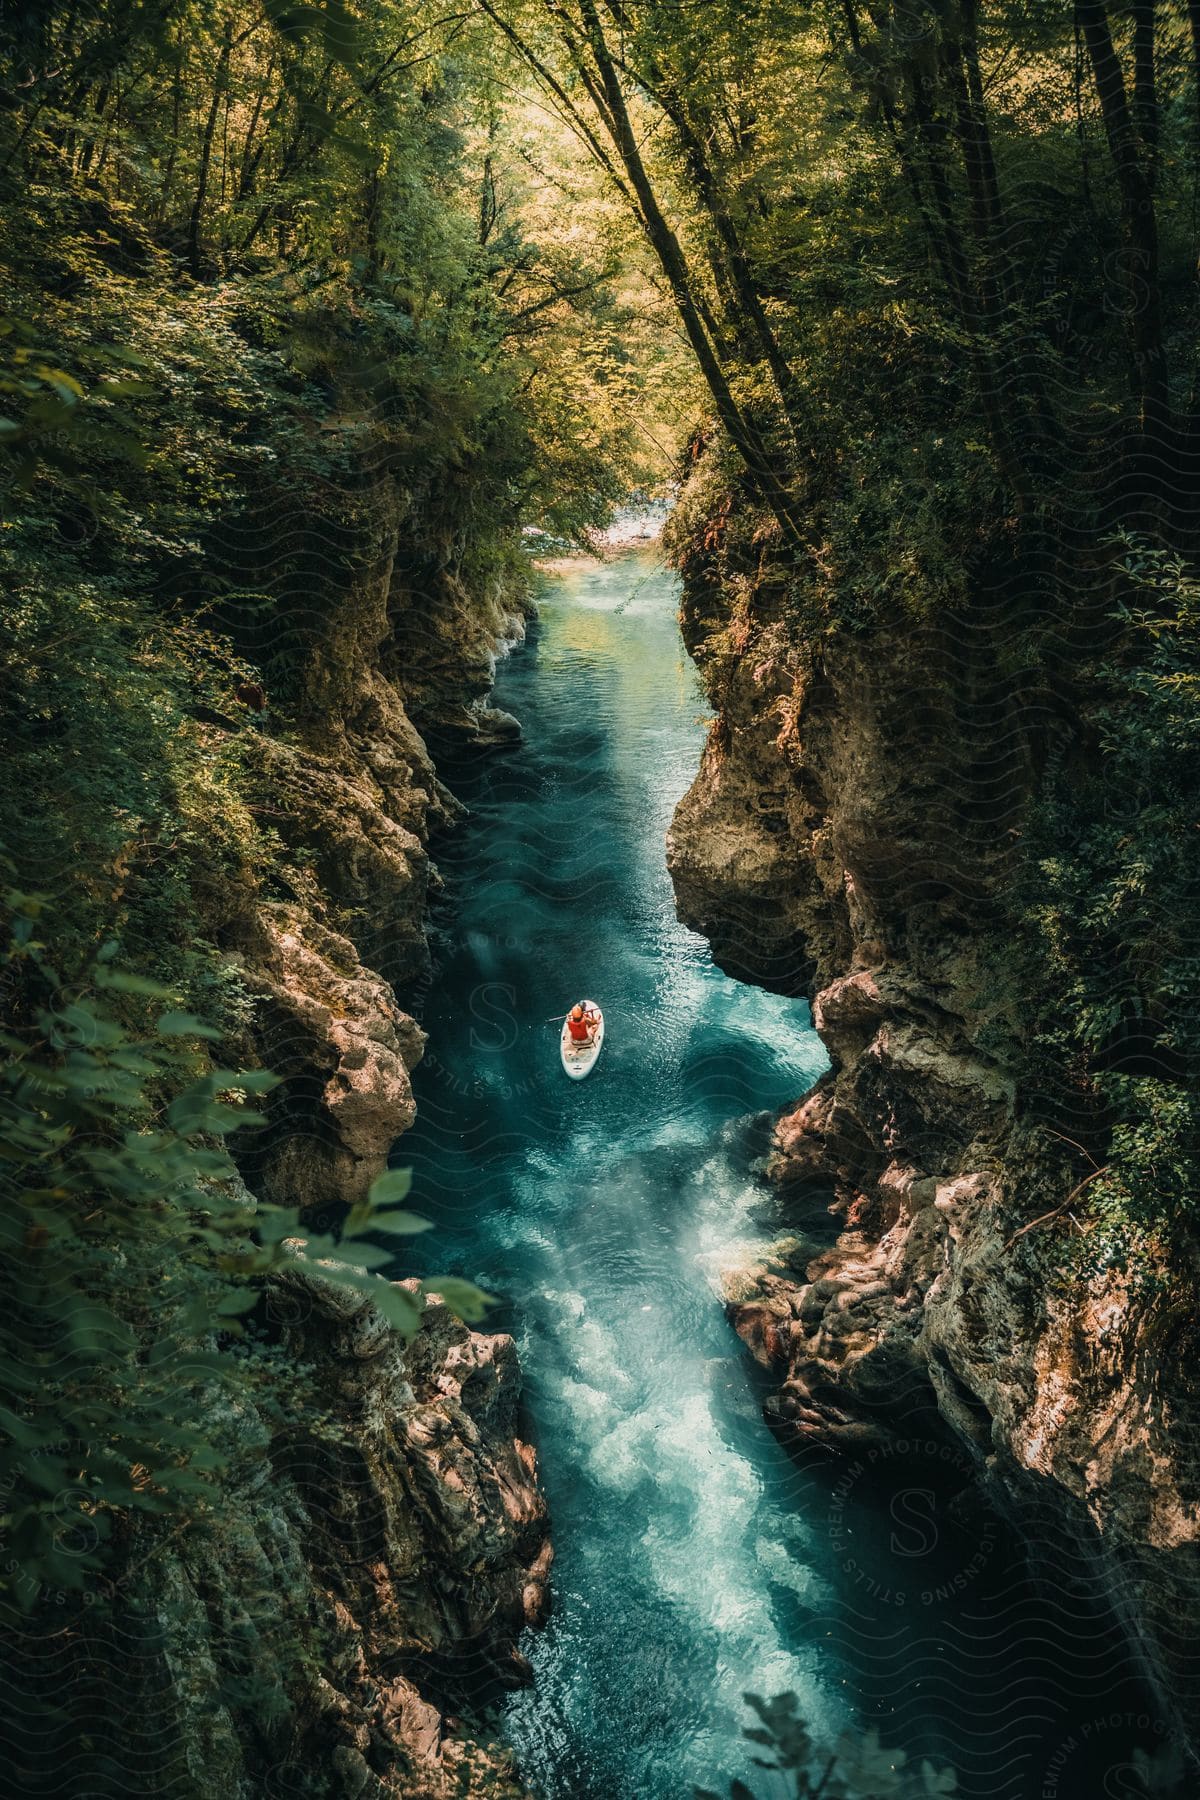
<point x="688" y="509"/>
<point x="383" y="1542"/>
<point x="854" y="833"/>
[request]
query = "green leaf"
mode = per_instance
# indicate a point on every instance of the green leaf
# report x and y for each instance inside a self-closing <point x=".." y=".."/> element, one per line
<point x="393" y="1184"/>
<point x="399" y="1307"/>
<point x="464" y="1299"/>
<point x="62" y="383"/>
<point x="122" y="982"/>
<point x="252" y="1081"/>
<point x="195" y="1111"/>
<point x="181" y="1024"/>
<point x="232" y="1306"/>
<point x="97" y="1332"/>
<point x="399" y="1223"/>
<point x="363" y="1255"/>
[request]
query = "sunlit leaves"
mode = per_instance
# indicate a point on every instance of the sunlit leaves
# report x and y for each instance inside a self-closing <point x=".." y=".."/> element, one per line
<point x="332" y="26"/>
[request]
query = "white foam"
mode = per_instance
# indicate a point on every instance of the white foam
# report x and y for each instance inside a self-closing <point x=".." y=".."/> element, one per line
<point x="781" y="1567"/>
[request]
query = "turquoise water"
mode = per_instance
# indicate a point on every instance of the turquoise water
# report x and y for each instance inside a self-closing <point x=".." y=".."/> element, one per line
<point x="694" y="1559"/>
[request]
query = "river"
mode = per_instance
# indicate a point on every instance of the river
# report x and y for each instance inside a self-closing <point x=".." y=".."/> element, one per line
<point x="694" y="1559"/>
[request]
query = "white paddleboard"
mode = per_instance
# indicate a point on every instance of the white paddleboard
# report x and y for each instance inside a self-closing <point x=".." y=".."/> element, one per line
<point x="580" y="1059"/>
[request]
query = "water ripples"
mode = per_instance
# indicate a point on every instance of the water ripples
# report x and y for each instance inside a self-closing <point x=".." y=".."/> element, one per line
<point x="694" y="1560"/>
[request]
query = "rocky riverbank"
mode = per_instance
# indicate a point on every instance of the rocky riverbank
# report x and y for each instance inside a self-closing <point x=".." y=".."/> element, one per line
<point x="849" y="836"/>
<point x="335" y="1628"/>
<point x="407" y="659"/>
<point x="342" y="1625"/>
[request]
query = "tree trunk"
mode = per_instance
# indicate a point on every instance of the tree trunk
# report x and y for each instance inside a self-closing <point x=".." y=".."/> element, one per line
<point x="88" y="148"/>
<point x="168" y="174"/>
<point x="252" y="153"/>
<point x="1194" y="27"/>
<point x="196" y="216"/>
<point x="1145" y="87"/>
<point x="971" y="308"/>
<point x="741" y="430"/>
<point x="977" y="151"/>
<point x="1031" y="418"/>
<point x="880" y="96"/>
<point x="732" y="275"/>
<point x="740" y="276"/>
<point x="1143" y="297"/>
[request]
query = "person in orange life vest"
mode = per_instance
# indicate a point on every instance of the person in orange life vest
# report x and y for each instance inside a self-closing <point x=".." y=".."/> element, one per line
<point x="581" y="1024"/>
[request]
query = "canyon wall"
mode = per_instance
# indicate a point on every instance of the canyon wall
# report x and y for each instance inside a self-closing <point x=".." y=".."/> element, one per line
<point x="851" y="836"/>
<point x="341" y="1622"/>
<point x="336" y="1624"/>
<point x="401" y="653"/>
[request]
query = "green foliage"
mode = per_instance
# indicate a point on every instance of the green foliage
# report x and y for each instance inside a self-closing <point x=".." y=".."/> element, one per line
<point x="860" y="1768"/>
<point x="370" y="214"/>
<point x="289" y="302"/>
<point x="273" y="285"/>
<point x="943" y="261"/>
<point x="131" y="1256"/>
<point x="1114" y="872"/>
<point x="857" y="1768"/>
<point x="273" y="292"/>
<point x="122" y="1223"/>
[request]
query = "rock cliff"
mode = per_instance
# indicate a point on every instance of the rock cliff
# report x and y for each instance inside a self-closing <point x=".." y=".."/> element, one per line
<point x="849" y="837"/>
<point x="348" y="782"/>
<point x="336" y="1625"/>
<point x="343" y="1625"/>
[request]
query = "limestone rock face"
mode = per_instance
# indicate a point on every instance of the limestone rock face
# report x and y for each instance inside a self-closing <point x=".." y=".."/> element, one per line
<point x="334" y="1032"/>
<point x="351" y="815"/>
<point x="387" y="1546"/>
<point x="734" y="850"/>
<point x="385" y="1543"/>
<point x="850" y="827"/>
<point x="451" y="638"/>
<point x="351" y="789"/>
